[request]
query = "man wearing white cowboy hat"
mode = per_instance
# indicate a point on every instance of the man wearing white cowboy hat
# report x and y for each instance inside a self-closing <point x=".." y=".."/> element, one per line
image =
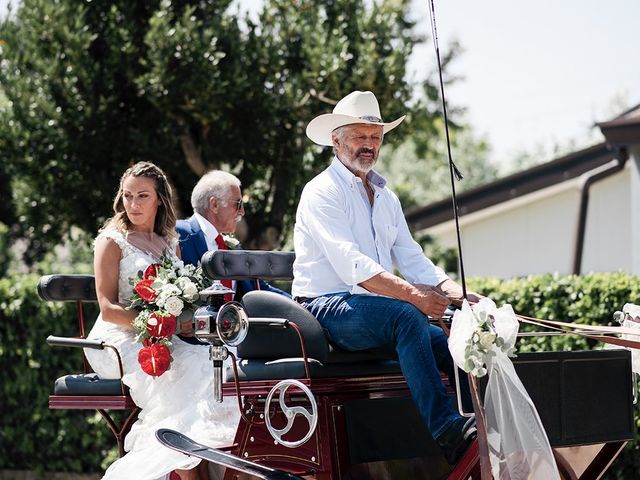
<point x="349" y="233"/>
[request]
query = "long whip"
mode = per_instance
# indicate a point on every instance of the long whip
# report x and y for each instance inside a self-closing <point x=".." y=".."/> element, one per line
<point x="454" y="173"/>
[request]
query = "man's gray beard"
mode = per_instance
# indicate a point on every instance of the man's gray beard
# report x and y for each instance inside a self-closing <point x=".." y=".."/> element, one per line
<point x="358" y="165"/>
<point x="365" y="169"/>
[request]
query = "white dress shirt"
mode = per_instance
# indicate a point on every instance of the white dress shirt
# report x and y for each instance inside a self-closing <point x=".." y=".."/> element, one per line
<point x="342" y="240"/>
<point x="210" y="234"/>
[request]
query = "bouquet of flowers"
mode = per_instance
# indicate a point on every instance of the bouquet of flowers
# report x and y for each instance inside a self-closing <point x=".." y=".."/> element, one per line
<point x="479" y="333"/>
<point x="162" y="293"/>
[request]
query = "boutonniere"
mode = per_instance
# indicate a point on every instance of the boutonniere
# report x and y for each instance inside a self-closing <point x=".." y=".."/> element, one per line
<point x="232" y="243"/>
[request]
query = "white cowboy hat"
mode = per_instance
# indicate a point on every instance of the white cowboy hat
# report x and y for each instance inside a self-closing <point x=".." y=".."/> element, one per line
<point x="357" y="107"/>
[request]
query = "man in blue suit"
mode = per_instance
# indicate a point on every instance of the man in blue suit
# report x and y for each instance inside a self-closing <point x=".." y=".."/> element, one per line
<point x="217" y="208"/>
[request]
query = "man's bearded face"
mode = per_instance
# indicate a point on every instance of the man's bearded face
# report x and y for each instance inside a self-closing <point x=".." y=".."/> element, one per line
<point x="358" y="146"/>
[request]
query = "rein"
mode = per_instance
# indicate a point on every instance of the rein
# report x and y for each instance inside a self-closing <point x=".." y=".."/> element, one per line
<point x="594" y="332"/>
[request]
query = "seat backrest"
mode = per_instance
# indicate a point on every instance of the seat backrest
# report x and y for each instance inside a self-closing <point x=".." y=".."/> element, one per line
<point x="248" y="265"/>
<point x="70" y="288"/>
<point x="67" y="288"/>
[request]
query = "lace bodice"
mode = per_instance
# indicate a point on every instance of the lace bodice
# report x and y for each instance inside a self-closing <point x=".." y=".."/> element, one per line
<point x="133" y="260"/>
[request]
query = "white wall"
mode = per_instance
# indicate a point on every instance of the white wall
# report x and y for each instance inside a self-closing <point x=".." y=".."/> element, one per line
<point x="535" y="233"/>
<point x="634" y="219"/>
<point x="607" y="245"/>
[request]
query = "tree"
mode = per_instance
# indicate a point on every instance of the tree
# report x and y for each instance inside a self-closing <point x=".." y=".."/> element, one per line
<point x="420" y="180"/>
<point x="418" y="167"/>
<point x="93" y="87"/>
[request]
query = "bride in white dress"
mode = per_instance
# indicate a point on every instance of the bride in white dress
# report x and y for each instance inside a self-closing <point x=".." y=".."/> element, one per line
<point x="141" y="230"/>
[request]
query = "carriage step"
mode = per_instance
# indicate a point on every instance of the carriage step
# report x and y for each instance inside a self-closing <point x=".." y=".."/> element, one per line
<point x="182" y="443"/>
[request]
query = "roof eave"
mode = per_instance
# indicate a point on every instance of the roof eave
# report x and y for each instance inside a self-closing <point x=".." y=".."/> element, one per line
<point x="513" y="186"/>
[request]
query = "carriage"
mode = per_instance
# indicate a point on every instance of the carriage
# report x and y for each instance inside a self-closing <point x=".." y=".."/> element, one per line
<point x="310" y="410"/>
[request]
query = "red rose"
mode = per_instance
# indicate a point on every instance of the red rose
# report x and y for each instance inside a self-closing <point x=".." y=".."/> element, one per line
<point x="161" y="327"/>
<point x="144" y="289"/>
<point x="154" y="359"/>
<point x="151" y="271"/>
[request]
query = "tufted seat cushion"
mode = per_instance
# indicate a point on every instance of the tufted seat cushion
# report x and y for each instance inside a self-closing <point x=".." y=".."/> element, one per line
<point x="248" y="265"/>
<point x="86" y="384"/>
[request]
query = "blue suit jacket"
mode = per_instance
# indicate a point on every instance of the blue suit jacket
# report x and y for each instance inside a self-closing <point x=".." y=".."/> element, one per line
<point x="193" y="246"/>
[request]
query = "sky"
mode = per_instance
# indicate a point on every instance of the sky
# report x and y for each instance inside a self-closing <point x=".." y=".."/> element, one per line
<point x="539" y="73"/>
<point x="536" y="74"/>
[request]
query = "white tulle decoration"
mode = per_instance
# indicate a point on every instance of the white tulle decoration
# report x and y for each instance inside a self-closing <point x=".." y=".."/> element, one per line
<point x="481" y="341"/>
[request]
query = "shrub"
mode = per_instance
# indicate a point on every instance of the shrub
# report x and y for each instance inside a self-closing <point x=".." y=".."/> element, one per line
<point x="32" y="437"/>
<point x="35" y="438"/>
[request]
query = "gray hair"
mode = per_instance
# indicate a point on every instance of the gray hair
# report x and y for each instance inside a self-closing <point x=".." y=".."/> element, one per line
<point x="215" y="183"/>
<point x="339" y="132"/>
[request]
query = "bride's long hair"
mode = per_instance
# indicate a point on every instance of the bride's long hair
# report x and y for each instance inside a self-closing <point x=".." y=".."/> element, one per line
<point x="165" y="222"/>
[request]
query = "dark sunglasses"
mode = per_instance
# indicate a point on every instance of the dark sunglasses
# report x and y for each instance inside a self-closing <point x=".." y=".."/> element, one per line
<point x="239" y="204"/>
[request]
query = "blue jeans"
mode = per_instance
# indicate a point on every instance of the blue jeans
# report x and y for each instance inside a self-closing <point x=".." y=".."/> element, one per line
<point x="358" y="322"/>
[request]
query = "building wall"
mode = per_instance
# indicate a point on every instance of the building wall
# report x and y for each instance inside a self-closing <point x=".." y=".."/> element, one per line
<point x="634" y="215"/>
<point x="607" y="244"/>
<point x="535" y="234"/>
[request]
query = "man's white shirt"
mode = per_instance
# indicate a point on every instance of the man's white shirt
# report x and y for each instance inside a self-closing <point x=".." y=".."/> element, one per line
<point x="210" y="234"/>
<point x="342" y="240"/>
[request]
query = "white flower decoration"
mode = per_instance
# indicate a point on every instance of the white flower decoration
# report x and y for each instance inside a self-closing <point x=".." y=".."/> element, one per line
<point x="479" y="332"/>
<point x="174" y="306"/>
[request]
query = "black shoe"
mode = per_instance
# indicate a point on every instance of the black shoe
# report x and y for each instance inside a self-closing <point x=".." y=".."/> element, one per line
<point x="457" y="438"/>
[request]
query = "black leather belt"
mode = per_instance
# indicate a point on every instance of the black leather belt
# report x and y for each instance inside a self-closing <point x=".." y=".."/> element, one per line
<point x="304" y="299"/>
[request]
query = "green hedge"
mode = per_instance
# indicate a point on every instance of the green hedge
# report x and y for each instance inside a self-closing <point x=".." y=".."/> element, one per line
<point x="32" y="437"/>
<point x="35" y="438"/>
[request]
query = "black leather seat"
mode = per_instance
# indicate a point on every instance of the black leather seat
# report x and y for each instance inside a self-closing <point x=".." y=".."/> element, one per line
<point x="274" y="353"/>
<point x="79" y="289"/>
<point x="86" y="384"/>
<point x="85" y="391"/>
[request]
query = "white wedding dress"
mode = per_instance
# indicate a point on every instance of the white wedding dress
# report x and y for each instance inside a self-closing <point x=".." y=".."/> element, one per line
<point x="180" y="399"/>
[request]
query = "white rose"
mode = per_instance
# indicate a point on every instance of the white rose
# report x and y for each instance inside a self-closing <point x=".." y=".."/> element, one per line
<point x="174" y="306"/>
<point x="486" y="340"/>
<point x="190" y="292"/>
<point x="186" y="270"/>
<point x="169" y="290"/>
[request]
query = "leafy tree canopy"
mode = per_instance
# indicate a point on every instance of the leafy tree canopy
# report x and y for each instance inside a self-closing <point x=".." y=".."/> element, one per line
<point x="92" y="87"/>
